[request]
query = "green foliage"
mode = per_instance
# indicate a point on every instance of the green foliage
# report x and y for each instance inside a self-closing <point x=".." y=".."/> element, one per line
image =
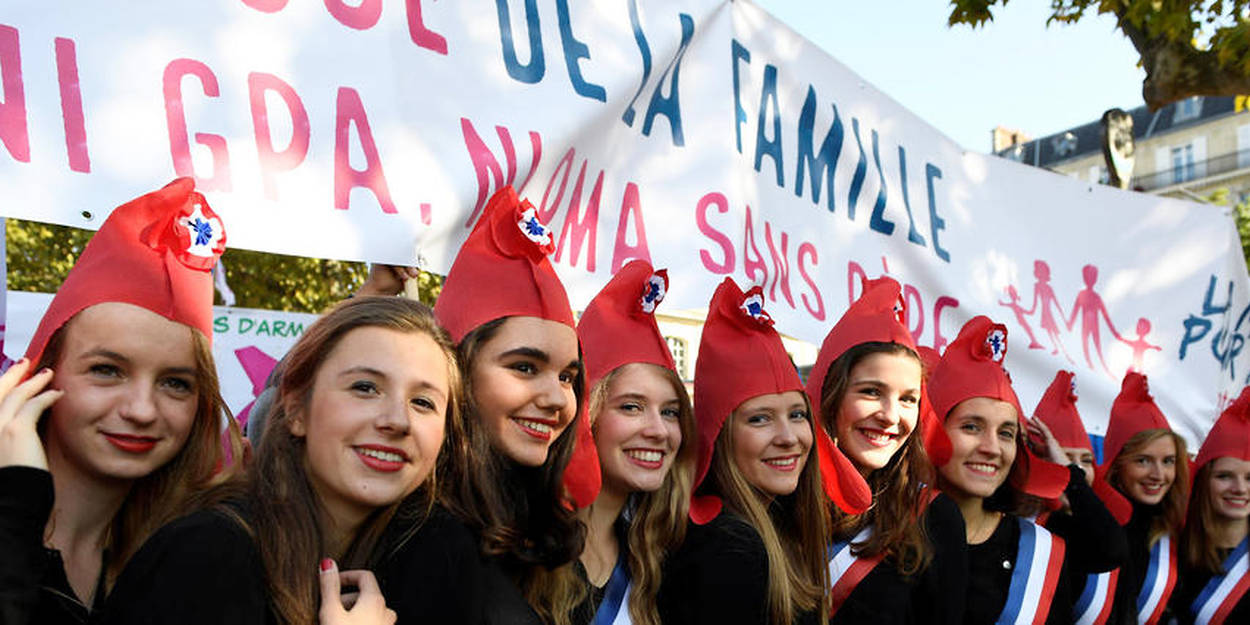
<point x="40" y="255"/>
<point x="1241" y="216"/>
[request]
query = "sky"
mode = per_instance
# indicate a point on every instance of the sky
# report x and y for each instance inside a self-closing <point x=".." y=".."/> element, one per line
<point x="1015" y="71"/>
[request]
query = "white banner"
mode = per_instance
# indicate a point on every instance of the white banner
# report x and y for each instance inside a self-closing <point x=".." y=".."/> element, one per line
<point x="247" y="343"/>
<point x="702" y="134"/>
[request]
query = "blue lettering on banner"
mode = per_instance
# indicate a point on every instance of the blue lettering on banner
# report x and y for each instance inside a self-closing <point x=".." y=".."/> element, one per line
<point x="768" y="100"/>
<point x="861" y="172"/>
<point x="736" y="52"/>
<point x="818" y="165"/>
<point x="574" y="51"/>
<point x="532" y="72"/>
<point x="1226" y="343"/>
<point x="670" y="106"/>
<point x="645" y="50"/>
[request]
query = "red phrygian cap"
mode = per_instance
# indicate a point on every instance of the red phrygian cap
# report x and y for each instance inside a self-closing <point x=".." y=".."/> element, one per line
<point x="740" y="357"/>
<point x="1230" y="436"/>
<point x="501" y="271"/>
<point x="877" y="316"/>
<point x="618" y="328"/>
<point x="1133" y="411"/>
<point x="1057" y="409"/>
<point x="972" y="366"/>
<point x="156" y="252"/>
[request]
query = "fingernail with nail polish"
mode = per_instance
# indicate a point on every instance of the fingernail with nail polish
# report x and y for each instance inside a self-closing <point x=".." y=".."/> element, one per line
<point x="327" y="564"/>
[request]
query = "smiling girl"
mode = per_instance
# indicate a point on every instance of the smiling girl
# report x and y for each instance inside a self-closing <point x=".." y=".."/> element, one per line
<point x="996" y="483"/>
<point x="1147" y="463"/>
<point x="644" y="434"/>
<point x="504" y="481"/>
<point x="133" y="434"/>
<point x="1215" y="545"/>
<point x="755" y="553"/>
<point x="905" y="556"/>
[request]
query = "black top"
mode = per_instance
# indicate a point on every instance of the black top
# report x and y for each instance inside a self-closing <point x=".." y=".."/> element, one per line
<point x="202" y="569"/>
<point x="33" y="585"/>
<point x="935" y="595"/>
<point x="1096" y="542"/>
<point x="719" y="576"/>
<point x="589" y="607"/>
<point x="1133" y="573"/>
<point x="990" y="565"/>
<point x="1190" y="584"/>
<point x="434" y="572"/>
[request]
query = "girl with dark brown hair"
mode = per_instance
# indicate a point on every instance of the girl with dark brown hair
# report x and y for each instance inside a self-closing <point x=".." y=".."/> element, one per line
<point x="363" y="404"/>
<point x="904" y="559"/>
<point x="506" y="523"/>
<point x="128" y="431"/>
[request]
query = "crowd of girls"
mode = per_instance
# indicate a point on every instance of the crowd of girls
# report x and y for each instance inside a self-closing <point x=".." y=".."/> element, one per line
<point x="497" y="460"/>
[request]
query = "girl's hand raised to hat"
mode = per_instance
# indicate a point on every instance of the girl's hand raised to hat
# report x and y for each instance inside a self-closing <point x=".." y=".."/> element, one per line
<point x="1044" y="443"/>
<point x="367" y="607"/>
<point x="21" y="404"/>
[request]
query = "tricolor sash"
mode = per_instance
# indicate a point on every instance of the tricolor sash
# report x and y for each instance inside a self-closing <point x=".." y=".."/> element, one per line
<point x="1094" y="605"/>
<point x="614" y="609"/>
<point x="846" y="570"/>
<point x="1039" y="559"/>
<point x="1223" y="592"/>
<point x="1159" y="581"/>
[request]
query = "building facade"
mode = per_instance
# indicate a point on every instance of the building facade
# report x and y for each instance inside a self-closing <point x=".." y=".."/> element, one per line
<point x="1187" y="149"/>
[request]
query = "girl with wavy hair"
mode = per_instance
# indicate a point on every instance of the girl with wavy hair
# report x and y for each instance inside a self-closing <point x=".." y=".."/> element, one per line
<point x="644" y="434"/>
<point x="903" y="559"/>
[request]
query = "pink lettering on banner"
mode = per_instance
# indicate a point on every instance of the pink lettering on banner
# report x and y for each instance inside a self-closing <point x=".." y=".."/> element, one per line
<point x="753" y="266"/>
<point x="175" y="118"/>
<point x="13" y="132"/>
<point x="420" y="34"/>
<point x="818" y="313"/>
<point x="351" y="112"/>
<point x="623" y="252"/>
<point x="582" y="228"/>
<point x="721" y="203"/>
<point x="71" y="105"/>
<point x="266" y="6"/>
<point x="272" y="161"/>
<point x="547" y="209"/>
<point x="781" y="262"/>
<point x="486" y="166"/>
<point x="361" y="17"/>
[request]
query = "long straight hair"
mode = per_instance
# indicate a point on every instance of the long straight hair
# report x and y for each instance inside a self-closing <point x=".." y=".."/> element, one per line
<point x="283" y="512"/>
<point x="658" y="525"/>
<point x="521" y="514"/>
<point x="898" y="489"/>
<point x="794" y="529"/>
<point x="1172" y="518"/>
<point x="1197" y="547"/>
<point x="178" y="486"/>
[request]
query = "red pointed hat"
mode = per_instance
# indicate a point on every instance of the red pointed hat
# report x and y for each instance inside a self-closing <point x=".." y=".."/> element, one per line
<point x="156" y="252"/>
<point x="973" y="367"/>
<point x="741" y="356"/>
<point x="877" y="316"/>
<point x="617" y="328"/>
<point x="1057" y="409"/>
<point x="502" y="270"/>
<point x="1230" y="436"/>
<point x="936" y="443"/>
<point x="1133" y="411"/>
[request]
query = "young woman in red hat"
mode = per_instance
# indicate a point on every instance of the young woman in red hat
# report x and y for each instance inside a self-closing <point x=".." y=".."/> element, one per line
<point x="1215" y="545"/>
<point x="1147" y="463"/>
<point x="755" y="553"/>
<point x="1015" y="567"/>
<point x="132" y="430"/>
<point x="1091" y="513"/>
<point x="362" y="407"/>
<point x="904" y="559"/>
<point x="644" y="434"/>
<point x="505" y="483"/>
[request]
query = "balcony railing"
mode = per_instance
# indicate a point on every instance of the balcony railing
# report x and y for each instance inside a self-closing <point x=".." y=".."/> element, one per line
<point x="1191" y="172"/>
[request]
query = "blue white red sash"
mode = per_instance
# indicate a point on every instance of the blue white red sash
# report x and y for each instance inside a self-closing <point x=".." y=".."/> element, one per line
<point x="614" y="609"/>
<point x="846" y="570"/>
<point x="1094" y="605"/>
<point x="1039" y="558"/>
<point x="1222" y="593"/>
<point x="1160" y="578"/>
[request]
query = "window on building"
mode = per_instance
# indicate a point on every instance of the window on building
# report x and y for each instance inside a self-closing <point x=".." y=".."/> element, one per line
<point x="1182" y="163"/>
<point x="677" y="347"/>
<point x="1187" y="109"/>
